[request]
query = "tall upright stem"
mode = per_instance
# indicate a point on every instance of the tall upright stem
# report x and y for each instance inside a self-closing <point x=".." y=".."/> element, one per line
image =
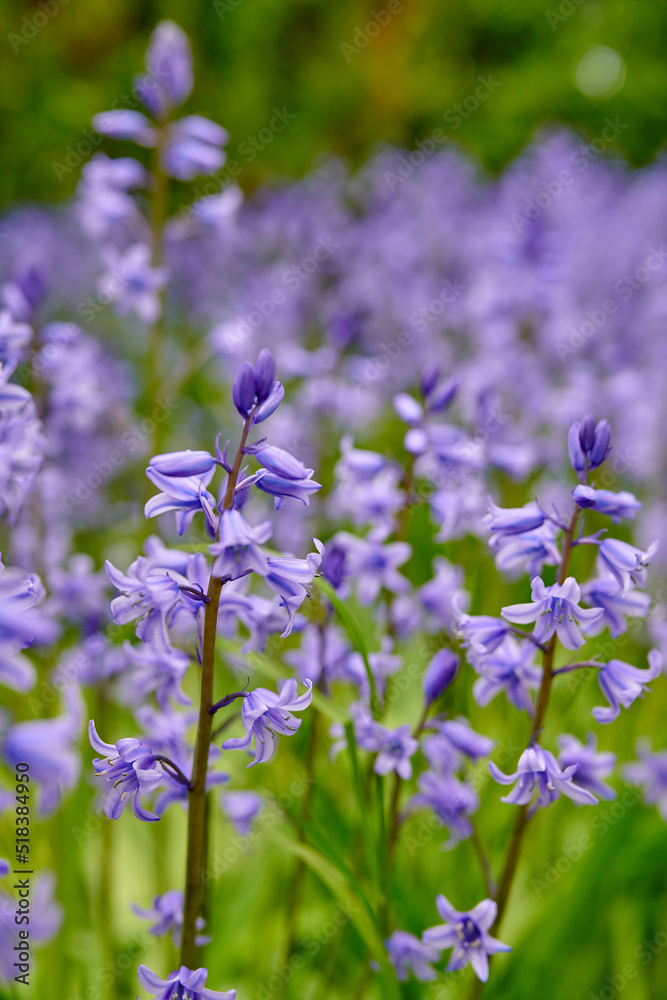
<point x="521" y="821"/>
<point x="197" y="798"/>
<point x="197" y="812"/>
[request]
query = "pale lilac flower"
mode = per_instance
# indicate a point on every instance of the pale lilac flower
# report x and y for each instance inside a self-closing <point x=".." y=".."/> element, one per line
<point x="242" y="808"/>
<point x="607" y="592"/>
<point x="374" y="564"/>
<point x="167" y="916"/>
<point x="452" y="801"/>
<point x="408" y="955"/>
<point x="180" y="985"/>
<point x="132" y="282"/>
<point x="266" y="714"/>
<point x="539" y="769"/>
<point x="237" y="550"/>
<point x="483" y="632"/>
<point x="467" y="933"/>
<point x="396" y="747"/>
<point x="622" y="684"/>
<point x="133" y="771"/>
<point x="615" y="505"/>
<point x="626" y="562"/>
<point x="556" y="610"/>
<point x="592" y="766"/>
<point x="290" y="579"/>
<point x="650" y="771"/>
<point x="513" y="520"/>
<point x="46" y="917"/>
<point x="511" y="668"/>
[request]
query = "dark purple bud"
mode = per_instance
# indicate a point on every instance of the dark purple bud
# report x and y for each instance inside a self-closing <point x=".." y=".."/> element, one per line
<point x="271" y="403"/>
<point x="440" y="673"/>
<point x="444" y="396"/>
<point x="602" y="444"/>
<point x="333" y="565"/>
<point x="243" y="391"/>
<point x="587" y="432"/>
<point x="429" y="379"/>
<point x="577" y="457"/>
<point x="584" y="496"/>
<point x="265" y="374"/>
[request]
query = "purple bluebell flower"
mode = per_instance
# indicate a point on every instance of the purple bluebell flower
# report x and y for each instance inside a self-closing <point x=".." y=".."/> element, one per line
<point x="242" y="808"/>
<point x="622" y="684"/>
<point x="467" y="933"/>
<point x="408" y="955"/>
<point x="322" y="656"/>
<point x="183" y="984"/>
<point x="396" y="747"/>
<point x="133" y="771"/>
<point x="283" y="488"/>
<point x="290" y="579"/>
<point x="588" y="444"/>
<point x="14" y="337"/>
<point x="539" y="769"/>
<point x="252" y="392"/>
<point x="193" y="147"/>
<point x="439" y="674"/>
<point x="237" y="550"/>
<point x="514" y="520"/>
<point x="606" y="592"/>
<point x="510" y="668"/>
<point x="442" y="396"/>
<point x="169" y="61"/>
<point x="156" y="669"/>
<point x="266" y="714"/>
<point x="452" y="801"/>
<point x="408" y="409"/>
<point x="185" y="494"/>
<point x="277" y="460"/>
<point x="592" y="766"/>
<point x="167" y="916"/>
<point x="126" y="124"/>
<point x="49" y="746"/>
<point x="556" y="610"/>
<point x="374" y="564"/>
<point x="24" y="292"/>
<point x="615" y="505"/>
<point x="443" y="597"/>
<point x="626" y="562"/>
<point x="21" y="625"/>
<point x="650" y="771"/>
<point x="483" y="632"/>
<point x="132" y="282"/>
<point x="527" y="552"/>
<point x="464" y="740"/>
<point x="182" y="464"/>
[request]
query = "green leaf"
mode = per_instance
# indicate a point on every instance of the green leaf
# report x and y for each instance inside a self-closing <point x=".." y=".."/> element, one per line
<point x="356" y="636"/>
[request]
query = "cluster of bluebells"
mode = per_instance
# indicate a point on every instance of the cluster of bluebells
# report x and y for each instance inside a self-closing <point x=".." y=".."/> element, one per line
<point x="497" y="322"/>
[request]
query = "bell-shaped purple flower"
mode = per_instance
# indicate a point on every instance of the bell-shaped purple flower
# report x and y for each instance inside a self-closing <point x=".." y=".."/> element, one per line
<point x="237" y="550"/>
<point x="615" y="505"/>
<point x="169" y="61"/>
<point x="396" y="747"/>
<point x="539" y="769"/>
<point x="513" y="520"/>
<point x="266" y="714"/>
<point x="627" y="563"/>
<point x="193" y="147"/>
<point x="270" y="404"/>
<point x="606" y="592"/>
<point x="126" y="124"/>
<point x="167" y="917"/>
<point x="290" y="579"/>
<point x="650" y="771"/>
<point x="483" y="632"/>
<point x="592" y="767"/>
<point x="242" y="808"/>
<point x="183" y="984"/>
<point x="467" y="933"/>
<point x="408" y="955"/>
<point x="186" y="494"/>
<point x="283" y="488"/>
<point x="133" y="771"/>
<point x="452" y="801"/>
<point x="509" y="668"/>
<point x="183" y="463"/>
<point x="439" y="674"/>
<point x="265" y="375"/>
<point x="622" y="684"/>
<point x="554" y="609"/>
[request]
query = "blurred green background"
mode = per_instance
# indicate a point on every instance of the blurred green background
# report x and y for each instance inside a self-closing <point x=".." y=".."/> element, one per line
<point x="64" y="60"/>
